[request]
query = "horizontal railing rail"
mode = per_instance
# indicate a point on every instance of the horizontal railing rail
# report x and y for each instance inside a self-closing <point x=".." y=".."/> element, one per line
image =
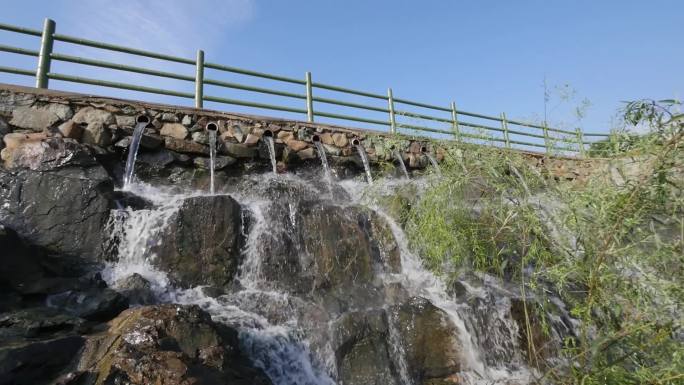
<point x="397" y="119"/>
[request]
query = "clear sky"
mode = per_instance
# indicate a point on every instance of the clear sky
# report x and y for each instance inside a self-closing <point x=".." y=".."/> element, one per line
<point x="488" y="56"/>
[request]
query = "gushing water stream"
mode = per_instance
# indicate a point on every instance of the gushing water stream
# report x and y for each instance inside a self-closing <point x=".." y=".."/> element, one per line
<point x="324" y="163"/>
<point x="402" y="164"/>
<point x="271" y="152"/>
<point x="212" y="159"/>
<point x="434" y="163"/>
<point x="366" y="164"/>
<point x="133" y="150"/>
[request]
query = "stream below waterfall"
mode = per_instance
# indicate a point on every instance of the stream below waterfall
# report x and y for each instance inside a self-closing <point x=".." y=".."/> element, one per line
<point x="291" y="330"/>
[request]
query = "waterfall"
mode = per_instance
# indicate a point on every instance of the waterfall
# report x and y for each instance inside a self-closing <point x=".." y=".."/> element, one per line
<point x="133" y="151"/>
<point x="402" y="164"/>
<point x="271" y="152"/>
<point x="324" y="162"/>
<point x="285" y="333"/>
<point x="366" y="164"/>
<point x="433" y="161"/>
<point x="212" y="159"/>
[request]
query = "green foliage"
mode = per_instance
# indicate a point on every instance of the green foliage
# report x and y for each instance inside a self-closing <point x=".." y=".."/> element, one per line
<point x="614" y="250"/>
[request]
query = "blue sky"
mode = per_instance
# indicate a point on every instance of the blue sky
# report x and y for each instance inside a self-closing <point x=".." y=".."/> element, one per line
<point x="489" y="56"/>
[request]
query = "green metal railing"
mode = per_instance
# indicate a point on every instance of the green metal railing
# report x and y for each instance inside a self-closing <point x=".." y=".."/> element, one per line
<point x="554" y="139"/>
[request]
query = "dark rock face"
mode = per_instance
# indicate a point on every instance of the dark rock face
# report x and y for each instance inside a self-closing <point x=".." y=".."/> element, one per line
<point x="166" y="344"/>
<point x="429" y="339"/>
<point x="93" y="304"/>
<point x="37" y="362"/>
<point x="362" y="351"/>
<point x="201" y="242"/>
<point x="64" y="211"/>
<point x="328" y="248"/>
<point x="137" y="289"/>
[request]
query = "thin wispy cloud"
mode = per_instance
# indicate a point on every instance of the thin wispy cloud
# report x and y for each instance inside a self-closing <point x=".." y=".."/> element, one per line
<point x="171" y="26"/>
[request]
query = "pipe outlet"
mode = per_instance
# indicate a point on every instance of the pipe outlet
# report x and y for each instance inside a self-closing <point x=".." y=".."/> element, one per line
<point x="211" y="126"/>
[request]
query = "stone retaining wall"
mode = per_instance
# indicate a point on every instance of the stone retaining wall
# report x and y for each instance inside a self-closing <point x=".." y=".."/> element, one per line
<point x="178" y="135"/>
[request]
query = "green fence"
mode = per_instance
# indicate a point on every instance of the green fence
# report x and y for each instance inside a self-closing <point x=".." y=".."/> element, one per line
<point x="504" y="132"/>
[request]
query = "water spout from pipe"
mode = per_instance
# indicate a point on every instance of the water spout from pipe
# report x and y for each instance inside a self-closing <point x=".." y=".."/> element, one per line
<point x="268" y="138"/>
<point x="432" y="159"/>
<point x="141" y="123"/>
<point x="212" y="128"/>
<point x="400" y="159"/>
<point x="324" y="160"/>
<point x="364" y="158"/>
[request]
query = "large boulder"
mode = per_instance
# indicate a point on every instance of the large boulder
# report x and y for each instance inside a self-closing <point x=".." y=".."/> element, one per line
<point x="37" y="362"/>
<point x="166" y="344"/>
<point x="315" y="246"/>
<point x="63" y="210"/>
<point x="40" y="118"/>
<point x="201" y="242"/>
<point x="362" y="349"/>
<point x="429" y="339"/>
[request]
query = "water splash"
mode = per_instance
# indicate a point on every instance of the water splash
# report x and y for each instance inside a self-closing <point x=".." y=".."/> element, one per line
<point x="366" y="163"/>
<point x="271" y="152"/>
<point x="324" y="161"/>
<point x="212" y="159"/>
<point x="433" y="161"/>
<point x="138" y="132"/>
<point x="402" y="164"/>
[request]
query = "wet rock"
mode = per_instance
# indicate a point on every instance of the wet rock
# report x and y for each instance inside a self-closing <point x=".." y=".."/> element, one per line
<point x="429" y="339"/>
<point x="157" y="159"/>
<point x="201" y="242"/>
<point x="167" y="344"/>
<point x="93" y="304"/>
<point x="238" y="150"/>
<point x="38" y="322"/>
<point x="220" y="162"/>
<point x="37" y="362"/>
<point x="307" y="153"/>
<point x="333" y="250"/>
<point x="185" y="146"/>
<point x="137" y="289"/>
<point x="174" y="130"/>
<point x="361" y="349"/>
<point x="70" y="215"/>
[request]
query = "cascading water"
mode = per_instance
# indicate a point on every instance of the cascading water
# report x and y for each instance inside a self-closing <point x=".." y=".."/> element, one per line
<point x="288" y="333"/>
<point x="364" y="159"/>
<point x="270" y="144"/>
<point x="434" y="163"/>
<point x="400" y="159"/>
<point x="212" y="128"/>
<point x="324" y="163"/>
<point x="138" y="132"/>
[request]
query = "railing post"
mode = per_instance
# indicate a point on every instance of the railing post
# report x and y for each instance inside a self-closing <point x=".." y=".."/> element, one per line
<point x="580" y="141"/>
<point x="546" y="138"/>
<point x="504" y="127"/>
<point x="199" y="79"/>
<point x="309" y="98"/>
<point x="454" y="121"/>
<point x="46" y="42"/>
<point x="390" y="104"/>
